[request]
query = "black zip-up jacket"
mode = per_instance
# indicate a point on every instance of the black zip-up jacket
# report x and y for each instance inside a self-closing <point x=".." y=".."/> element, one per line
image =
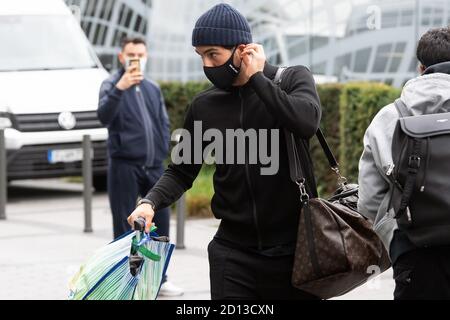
<point x="128" y="135"/>
<point x="258" y="211"/>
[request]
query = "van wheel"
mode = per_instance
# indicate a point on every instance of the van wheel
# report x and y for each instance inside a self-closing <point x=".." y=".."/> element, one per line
<point x="100" y="183"/>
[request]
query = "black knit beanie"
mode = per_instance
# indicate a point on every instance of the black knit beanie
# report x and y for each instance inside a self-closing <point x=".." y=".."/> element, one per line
<point x="223" y="26"/>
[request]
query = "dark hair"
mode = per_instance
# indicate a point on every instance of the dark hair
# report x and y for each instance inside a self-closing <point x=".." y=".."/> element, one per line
<point x="434" y="47"/>
<point x="133" y="40"/>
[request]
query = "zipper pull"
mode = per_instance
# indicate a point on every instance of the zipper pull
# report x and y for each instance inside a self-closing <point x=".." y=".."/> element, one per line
<point x="390" y="169"/>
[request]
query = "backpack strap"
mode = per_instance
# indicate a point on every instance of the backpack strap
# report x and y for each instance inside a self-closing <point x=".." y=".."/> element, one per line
<point x="414" y="162"/>
<point x="402" y="109"/>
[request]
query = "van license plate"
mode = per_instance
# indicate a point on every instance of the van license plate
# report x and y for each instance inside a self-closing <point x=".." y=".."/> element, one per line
<point x="67" y="155"/>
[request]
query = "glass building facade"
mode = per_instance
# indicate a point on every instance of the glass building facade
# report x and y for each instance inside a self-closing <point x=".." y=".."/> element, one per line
<point x="106" y="22"/>
<point x="342" y="40"/>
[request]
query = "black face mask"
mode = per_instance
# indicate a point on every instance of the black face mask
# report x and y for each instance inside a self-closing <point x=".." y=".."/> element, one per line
<point x="223" y="76"/>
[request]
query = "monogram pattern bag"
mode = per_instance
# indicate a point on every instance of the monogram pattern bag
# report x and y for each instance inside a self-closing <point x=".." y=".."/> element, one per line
<point x="337" y="250"/>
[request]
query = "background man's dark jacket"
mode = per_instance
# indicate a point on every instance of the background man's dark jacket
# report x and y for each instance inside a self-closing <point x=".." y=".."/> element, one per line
<point x="120" y="112"/>
<point x="256" y="210"/>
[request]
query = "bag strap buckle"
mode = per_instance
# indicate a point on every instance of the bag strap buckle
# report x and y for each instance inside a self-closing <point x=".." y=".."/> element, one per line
<point x="342" y="181"/>
<point x="414" y="162"/>
<point x="304" y="196"/>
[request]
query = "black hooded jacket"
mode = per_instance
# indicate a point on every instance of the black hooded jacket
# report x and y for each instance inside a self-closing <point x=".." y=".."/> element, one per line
<point x="257" y="211"/>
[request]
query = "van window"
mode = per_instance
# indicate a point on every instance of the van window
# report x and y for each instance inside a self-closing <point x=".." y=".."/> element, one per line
<point x="43" y="42"/>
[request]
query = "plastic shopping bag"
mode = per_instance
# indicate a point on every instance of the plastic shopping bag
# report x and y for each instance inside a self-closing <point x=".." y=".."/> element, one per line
<point x="130" y="268"/>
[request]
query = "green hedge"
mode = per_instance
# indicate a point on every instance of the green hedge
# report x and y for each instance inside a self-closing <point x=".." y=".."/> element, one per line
<point x="177" y="97"/>
<point x="348" y="110"/>
<point x="329" y="98"/>
<point x="359" y="103"/>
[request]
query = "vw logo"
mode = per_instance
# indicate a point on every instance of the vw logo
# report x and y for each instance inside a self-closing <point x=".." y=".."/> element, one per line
<point x="67" y="120"/>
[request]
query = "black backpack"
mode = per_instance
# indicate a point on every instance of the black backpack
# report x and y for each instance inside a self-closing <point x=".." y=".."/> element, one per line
<point x="421" y="176"/>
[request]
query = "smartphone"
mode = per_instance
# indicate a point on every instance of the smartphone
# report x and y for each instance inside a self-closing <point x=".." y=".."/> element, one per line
<point x="137" y="63"/>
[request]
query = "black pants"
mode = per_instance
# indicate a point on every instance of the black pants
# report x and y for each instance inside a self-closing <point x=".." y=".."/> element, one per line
<point x="241" y="275"/>
<point x="125" y="183"/>
<point x="423" y="274"/>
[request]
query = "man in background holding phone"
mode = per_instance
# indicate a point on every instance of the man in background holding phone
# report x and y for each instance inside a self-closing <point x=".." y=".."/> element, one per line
<point x="133" y="110"/>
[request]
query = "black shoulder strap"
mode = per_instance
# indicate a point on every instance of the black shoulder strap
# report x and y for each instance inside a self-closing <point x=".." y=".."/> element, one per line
<point x="295" y="168"/>
<point x="414" y="162"/>
<point x="294" y="160"/>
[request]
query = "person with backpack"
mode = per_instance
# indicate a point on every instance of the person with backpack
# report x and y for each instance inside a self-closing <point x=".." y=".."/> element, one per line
<point x="252" y="254"/>
<point x="404" y="175"/>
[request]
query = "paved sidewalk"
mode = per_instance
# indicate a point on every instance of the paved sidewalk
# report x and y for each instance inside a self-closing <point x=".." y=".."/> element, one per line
<point x="42" y="244"/>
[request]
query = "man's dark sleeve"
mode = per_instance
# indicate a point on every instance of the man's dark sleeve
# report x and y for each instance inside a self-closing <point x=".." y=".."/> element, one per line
<point x="178" y="178"/>
<point x="108" y="106"/>
<point x="295" y="103"/>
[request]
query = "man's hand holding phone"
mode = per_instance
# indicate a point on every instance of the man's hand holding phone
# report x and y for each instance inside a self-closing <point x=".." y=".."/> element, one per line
<point x="132" y="76"/>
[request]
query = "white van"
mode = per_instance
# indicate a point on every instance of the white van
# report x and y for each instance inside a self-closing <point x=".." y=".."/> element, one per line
<point x="49" y="86"/>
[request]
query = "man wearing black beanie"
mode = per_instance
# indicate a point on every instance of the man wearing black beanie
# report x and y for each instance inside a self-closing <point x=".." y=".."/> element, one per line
<point x="251" y="256"/>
